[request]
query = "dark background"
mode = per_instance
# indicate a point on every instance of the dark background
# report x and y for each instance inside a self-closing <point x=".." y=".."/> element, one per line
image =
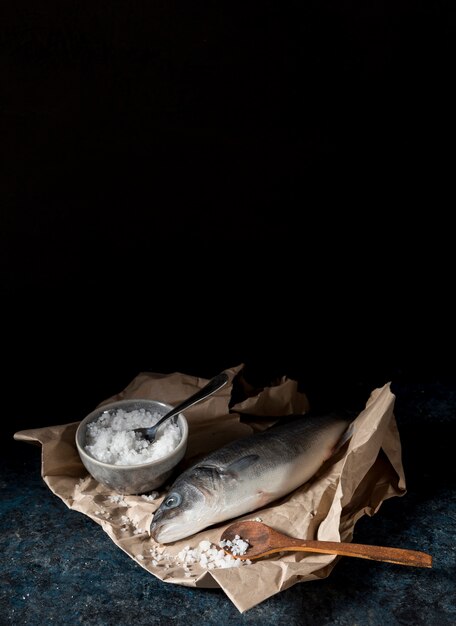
<point x="187" y="186"/>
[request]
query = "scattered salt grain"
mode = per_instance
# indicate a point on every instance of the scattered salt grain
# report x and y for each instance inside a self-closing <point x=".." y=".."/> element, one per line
<point x="151" y="497"/>
<point x="237" y="546"/>
<point x="206" y="555"/>
<point x="117" y="499"/>
<point x="111" y="438"/>
<point x="209" y="556"/>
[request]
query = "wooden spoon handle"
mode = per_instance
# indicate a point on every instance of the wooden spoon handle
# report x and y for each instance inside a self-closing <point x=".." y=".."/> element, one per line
<point x="375" y="553"/>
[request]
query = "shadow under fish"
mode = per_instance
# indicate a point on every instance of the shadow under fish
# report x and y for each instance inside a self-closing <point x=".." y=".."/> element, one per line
<point x="249" y="473"/>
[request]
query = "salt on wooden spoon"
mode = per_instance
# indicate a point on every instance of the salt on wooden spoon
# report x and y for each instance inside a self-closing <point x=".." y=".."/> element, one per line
<point x="264" y="540"/>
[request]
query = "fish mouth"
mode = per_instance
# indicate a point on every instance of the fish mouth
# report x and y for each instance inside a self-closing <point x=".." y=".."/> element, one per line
<point x="168" y="532"/>
<point x="156" y="525"/>
<point x="155" y="529"/>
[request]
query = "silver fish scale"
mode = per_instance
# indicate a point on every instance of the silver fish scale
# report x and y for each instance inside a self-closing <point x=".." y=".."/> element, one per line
<point x="247" y="474"/>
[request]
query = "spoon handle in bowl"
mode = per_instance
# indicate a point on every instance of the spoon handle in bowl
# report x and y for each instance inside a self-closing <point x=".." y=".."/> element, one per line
<point x="211" y="387"/>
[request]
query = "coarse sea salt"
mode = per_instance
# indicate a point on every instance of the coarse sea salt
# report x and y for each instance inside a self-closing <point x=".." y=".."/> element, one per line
<point x="209" y="556"/>
<point x="237" y="546"/>
<point x="206" y="555"/>
<point x="111" y="438"/>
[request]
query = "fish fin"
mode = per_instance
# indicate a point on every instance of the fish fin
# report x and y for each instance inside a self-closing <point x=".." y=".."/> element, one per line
<point x="240" y="464"/>
<point x="233" y="468"/>
<point x="264" y="498"/>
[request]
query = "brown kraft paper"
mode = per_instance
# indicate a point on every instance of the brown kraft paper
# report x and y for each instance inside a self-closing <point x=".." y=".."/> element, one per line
<point x="353" y="483"/>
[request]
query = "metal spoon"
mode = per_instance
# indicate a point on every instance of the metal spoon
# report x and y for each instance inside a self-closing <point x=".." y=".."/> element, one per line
<point x="264" y="540"/>
<point x="212" y="386"/>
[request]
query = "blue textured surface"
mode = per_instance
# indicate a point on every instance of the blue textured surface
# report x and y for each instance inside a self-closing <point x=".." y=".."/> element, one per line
<point x="59" y="567"/>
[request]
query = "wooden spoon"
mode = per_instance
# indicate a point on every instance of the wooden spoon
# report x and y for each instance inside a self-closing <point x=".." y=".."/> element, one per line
<point x="265" y="540"/>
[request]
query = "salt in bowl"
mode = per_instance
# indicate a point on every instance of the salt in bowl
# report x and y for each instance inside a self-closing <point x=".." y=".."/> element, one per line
<point x="130" y="477"/>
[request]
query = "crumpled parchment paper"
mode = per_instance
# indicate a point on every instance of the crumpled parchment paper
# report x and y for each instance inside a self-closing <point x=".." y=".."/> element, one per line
<point x="353" y="483"/>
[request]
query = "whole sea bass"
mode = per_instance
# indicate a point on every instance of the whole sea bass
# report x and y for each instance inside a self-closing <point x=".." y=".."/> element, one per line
<point x="247" y="474"/>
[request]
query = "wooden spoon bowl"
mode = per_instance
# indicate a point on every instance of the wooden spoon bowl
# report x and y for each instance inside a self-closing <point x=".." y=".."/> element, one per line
<point x="264" y="540"/>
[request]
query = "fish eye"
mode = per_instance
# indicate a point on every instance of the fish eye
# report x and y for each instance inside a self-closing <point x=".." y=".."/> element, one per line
<point x="172" y="501"/>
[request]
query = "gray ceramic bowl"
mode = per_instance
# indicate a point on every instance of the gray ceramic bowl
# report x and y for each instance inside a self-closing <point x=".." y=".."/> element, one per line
<point x="132" y="479"/>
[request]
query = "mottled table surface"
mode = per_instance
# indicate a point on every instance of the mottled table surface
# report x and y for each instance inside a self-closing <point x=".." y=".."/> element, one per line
<point x="59" y="567"/>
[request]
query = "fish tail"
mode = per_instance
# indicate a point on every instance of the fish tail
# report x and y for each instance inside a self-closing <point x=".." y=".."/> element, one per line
<point x="346" y="435"/>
